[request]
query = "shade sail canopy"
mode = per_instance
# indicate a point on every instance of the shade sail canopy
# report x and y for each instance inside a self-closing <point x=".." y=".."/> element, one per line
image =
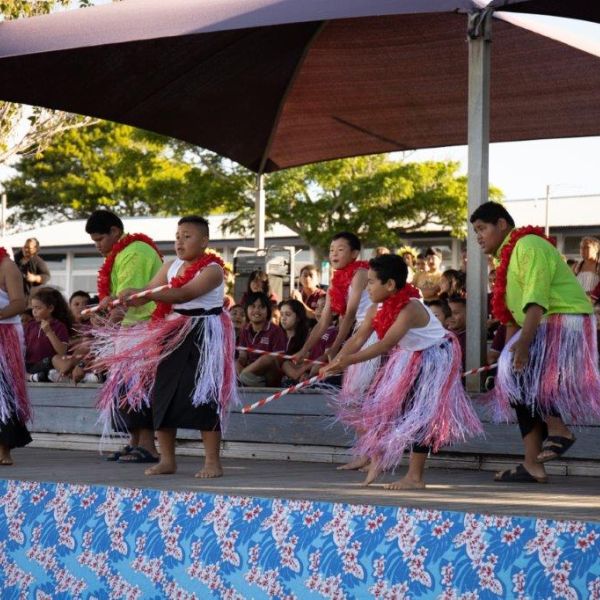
<point x="273" y="84"/>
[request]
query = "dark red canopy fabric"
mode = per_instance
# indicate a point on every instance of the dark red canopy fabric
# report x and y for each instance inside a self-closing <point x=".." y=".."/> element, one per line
<point x="273" y="84"/>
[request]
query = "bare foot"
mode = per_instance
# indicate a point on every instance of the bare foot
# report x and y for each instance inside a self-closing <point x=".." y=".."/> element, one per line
<point x="406" y="484"/>
<point x="162" y="468"/>
<point x="372" y="474"/>
<point x="6" y="461"/>
<point x="359" y="463"/>
<point x="366" y="468"/>
<point x="210" y="470"/>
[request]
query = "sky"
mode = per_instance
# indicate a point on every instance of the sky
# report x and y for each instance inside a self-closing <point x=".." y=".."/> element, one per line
<point x="524" y="169"/>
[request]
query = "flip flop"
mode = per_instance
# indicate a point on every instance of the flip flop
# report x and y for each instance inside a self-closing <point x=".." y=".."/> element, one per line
<point x="519" y="475"/>
<point x="115" y="456"/>
<point x="138" y="456"/>
<point x="556" y="444"/>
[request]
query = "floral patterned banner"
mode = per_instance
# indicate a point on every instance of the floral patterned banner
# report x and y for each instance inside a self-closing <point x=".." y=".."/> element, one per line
<point x="76" y="541"/>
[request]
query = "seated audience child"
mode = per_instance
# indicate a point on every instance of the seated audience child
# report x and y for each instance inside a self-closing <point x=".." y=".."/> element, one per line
<point x="276" y="315"/>
<point x="311" y="292"/>
<point x="294" y="323"/>
<point x="253" y="369"/>
<point x="238" y="319"/>
<point x="258" y="281"/>
<point x="452" y="283"/>
<point x="457" y="323"/>
<point x="441" y="310"/>
<point x="48" y="335"/>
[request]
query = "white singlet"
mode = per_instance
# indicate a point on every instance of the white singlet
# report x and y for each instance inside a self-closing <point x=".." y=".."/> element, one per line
<point x="5" y="301"/>
<point x="212" y="299"/>
<point x="420" y="338"/>
<point x="588" y="280"/>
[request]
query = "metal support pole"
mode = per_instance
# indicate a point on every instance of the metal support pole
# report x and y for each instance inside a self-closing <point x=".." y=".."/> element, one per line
<point x="547" y="228"/>
<point x="259" y="216"/>
<point x="478" y="186"/>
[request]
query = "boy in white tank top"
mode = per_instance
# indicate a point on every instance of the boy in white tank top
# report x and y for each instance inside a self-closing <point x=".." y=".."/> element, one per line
<point x="416" y="400"/>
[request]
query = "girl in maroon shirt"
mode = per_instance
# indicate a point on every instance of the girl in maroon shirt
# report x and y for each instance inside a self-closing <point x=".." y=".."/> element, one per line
<point x="48" y="334"/>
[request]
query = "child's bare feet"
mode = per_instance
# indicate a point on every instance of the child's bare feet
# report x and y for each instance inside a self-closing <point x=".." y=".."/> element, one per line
<point x="372" y="474"/>
<point x="406" y="484"/>
<point x="5" y="457"/>
<point x="162" y="468"/>
<point x="210" y="470"/>
<point x="359" y="463"/>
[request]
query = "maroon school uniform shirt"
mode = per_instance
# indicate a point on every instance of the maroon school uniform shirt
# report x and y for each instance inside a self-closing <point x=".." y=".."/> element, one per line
<point x="312" y="299"/>
<point x="271" y="338"/>
<point x="325" y="341"/>
<point x="37" y="344"/>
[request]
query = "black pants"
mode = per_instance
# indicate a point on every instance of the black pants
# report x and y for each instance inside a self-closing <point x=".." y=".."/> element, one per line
<point x="528" y="420"/>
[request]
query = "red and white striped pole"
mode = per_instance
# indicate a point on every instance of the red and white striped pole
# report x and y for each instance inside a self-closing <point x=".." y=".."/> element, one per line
<point x="277" y="354"/>
<point x="160" y="288"/>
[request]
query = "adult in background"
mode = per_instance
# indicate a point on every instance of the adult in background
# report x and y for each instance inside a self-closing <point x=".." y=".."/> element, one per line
<point x="587" y="269"/>
<point x="429" y="280"/>
<point x="33" y="268"/>
<point x="130" y="261"/>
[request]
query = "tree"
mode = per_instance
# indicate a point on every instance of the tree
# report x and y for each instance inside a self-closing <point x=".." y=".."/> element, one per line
<point x="378" y="198"/>
<point x="114" y="166"/>
<point x="26" y="130"/>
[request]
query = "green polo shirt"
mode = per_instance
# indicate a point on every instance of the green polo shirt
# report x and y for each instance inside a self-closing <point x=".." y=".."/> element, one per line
<point x="134" y="267"/>
<point x="537" y="274"/>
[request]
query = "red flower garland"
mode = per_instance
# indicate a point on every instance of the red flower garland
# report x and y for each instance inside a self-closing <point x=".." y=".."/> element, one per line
<point x="340" y="282"/>
<point x="164" y="308"/>
<point x="390" y="309"/>
<point x="3" y="253"/>
<point x="107" y="266"/>
<point x="499" y="308"/>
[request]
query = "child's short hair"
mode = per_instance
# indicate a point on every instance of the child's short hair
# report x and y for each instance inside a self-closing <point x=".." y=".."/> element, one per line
<point x="456" y="299"/>
<point x="200" y="222"/>
<point x="309" y="268"/>
<point x="433" y="252"/>
<point x="252" y="297"/>
<point x="390" y="266"/>
<point x="443" y="305"/>
<point x="491" y="212"/>
<point x="350" y="237"/>
<point x="100" y="221"/>
<point x="80" y="294"/>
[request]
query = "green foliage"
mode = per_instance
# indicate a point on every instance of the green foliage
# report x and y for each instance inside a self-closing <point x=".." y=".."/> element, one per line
<point x="112" y="166"/>
<point x="378" y="198"/>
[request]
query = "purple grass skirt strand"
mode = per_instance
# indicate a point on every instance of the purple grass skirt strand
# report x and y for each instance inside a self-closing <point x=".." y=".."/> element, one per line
<point x="347" y="402"/>
<point x="561" y="377"/>
<point x="417" y="398"/>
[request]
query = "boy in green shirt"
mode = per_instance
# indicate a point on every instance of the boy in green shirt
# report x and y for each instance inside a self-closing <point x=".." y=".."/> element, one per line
<point x="130" y="261"/>
<point x="548" y="370"/>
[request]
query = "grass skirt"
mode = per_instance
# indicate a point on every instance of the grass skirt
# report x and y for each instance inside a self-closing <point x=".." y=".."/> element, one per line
<point x="131" y="356"/>
<point x="561" y="377"/>
<point x="417" y="398"/>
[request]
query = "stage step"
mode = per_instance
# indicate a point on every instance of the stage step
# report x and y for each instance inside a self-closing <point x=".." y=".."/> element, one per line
<point x="299" y="427"/>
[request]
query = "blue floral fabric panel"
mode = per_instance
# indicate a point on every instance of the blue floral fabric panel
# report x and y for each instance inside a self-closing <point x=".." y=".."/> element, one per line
<point x="60" y="541"/>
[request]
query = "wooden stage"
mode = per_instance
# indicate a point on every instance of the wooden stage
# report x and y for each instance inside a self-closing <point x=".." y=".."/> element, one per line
<point x="572" y="497"/>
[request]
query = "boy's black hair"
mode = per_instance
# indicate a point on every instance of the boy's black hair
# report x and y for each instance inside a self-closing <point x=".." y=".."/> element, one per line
<point x="443" y="305"/>
<point x="390" y="266"/>
<point x="420" y="256"/>
<point x="82" y="294"/>
<point x="457" y="299"/>
<point x="252" y="297"/>
<point x="309" y="268"/>
<point x="100" y="221"/>
<point x="433" y="252"/>
<point x="350" y="237"/>
<point x="201" y="222"/>
<point x="491" y="212"/>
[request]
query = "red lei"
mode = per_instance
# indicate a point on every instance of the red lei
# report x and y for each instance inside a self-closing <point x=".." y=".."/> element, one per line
<point x="3" y="254"/>
<point x="107" y="266"/>
<point x="390" y="309"/>
<point x="164" y="308"/>
<point x="499" y="308"/>
<point x="340" y="283"/>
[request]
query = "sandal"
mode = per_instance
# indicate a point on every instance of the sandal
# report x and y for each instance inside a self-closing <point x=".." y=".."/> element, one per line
<point x="555" y="444"/>
<point x="139" y="455"/>
<point x="115" y="456"/>
<point x="519" y="475"/>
